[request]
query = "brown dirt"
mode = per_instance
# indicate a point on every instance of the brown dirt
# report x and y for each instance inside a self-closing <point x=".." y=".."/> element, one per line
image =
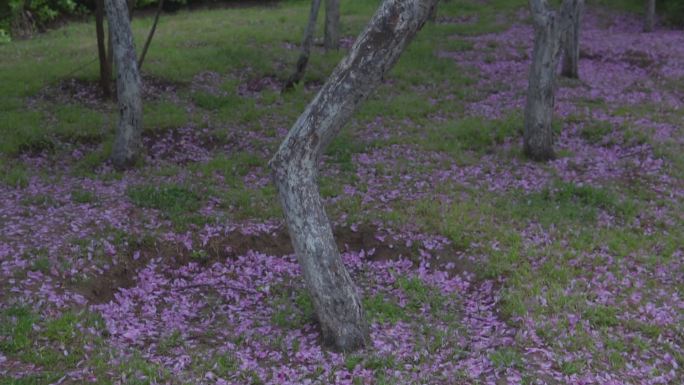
<point x="102" y="288"/>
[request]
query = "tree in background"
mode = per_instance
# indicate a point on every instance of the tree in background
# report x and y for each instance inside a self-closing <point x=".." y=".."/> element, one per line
<point x="295" y="166"/>
<point x="550" y="31"/>
<point x="331" y="39"/>
<point x="303" y="60"/>
<point x="571" y="47"/>
<point x="127" y="143"/>
<point x="649" y="21"/>
<point x="105" y="65"/>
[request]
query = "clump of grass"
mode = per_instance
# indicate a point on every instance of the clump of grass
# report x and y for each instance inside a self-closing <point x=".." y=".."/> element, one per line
<point x="14" y="175"/>
<point x="506" y="358"/>
<point x="596" y="131"/>
<point x="566" y="201"/>
<point x="472" y="133"/>
<point x="602" y="316"/>
<point x="83" y="196"/>
<point x="342" y="148"/>
<point x="292" y="311"/>
<point x="233" y="168"/>
<point x="383" y="309"/>
<point x="174" y="201"/>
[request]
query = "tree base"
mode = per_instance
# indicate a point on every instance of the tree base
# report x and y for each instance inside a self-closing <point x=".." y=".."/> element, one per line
<point x="539" y="155"/>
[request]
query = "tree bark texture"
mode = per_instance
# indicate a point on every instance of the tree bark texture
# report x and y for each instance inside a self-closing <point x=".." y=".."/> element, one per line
<point x="303" y="60"/>
<point x="160" y="6"/>
<point x="295" y="166"/>
<point x="550" y="28"/>
<point x="649" y="21"/>
<point x="571" y="49"/>
<point x="127" y="143"/>
<point x="331" y="39"/>
<point x="105" y="69"/>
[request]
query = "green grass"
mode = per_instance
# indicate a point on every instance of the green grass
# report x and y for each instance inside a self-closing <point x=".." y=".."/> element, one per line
<point x="381" y="309"/>
<point x="177" y="203"/>
<point x="537" y="281"/>
<point x="53" y="344"/>
<point x="163" y="115"/>
<point x="169" y="198"/>
<point x="474" y="134"/>
<point x="293" y="310"/>
<point x="566" y="201"/>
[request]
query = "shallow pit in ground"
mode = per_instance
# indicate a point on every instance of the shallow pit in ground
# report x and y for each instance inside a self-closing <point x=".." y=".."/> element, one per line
<point x="102" y="288"/>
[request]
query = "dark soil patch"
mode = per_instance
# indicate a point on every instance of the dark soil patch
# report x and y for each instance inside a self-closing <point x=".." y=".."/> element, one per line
<point x="218" y="249"/>
<point x="638" y="58"/>
<point x="254" y="86"/>
<point x="167" y="143"/>
<point x="89" y="93"/>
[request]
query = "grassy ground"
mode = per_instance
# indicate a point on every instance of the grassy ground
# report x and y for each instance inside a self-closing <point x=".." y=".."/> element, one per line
<point x="476" y="265"/>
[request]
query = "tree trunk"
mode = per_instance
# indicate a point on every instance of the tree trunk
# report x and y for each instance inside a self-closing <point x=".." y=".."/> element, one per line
<point x="649" y="22"/>
<point x="130" y="4"/>
<point x="549" y="32"/>
<point x="332" y="25"/>
<point x="105" y="69"/>
<point x="128" y="141"/>
<point x="433" y="14"/>
<point x="151" y="35"/>
<point x="297" y="76"/>
<point x="110" y="50"/>
<point x="570" y="67"/>
<point x="335" y="297"/>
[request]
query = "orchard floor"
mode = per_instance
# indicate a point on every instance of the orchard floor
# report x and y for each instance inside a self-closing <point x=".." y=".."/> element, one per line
<point x="476" y="266"/>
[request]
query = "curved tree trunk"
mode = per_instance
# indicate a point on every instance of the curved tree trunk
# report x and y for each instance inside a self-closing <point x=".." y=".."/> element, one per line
<point x="294" y="166"/>
<point x="151" y="35"/>
<point x="332" y="25"/>
<point x="549" y="32"/>
<point x="649" y="21"/>
<point x="128" y="141"/>
<point x="105" y="69"/>
<point x="303" y="60"/>
<point x="571" y="50"/>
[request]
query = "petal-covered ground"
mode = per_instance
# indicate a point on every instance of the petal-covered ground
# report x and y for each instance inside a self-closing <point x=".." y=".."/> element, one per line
<point x="476" y="266"/>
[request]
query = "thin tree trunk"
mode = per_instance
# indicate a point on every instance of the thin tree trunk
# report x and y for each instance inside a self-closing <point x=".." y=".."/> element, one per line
<point x="128" y="136"/>
<point x="649" y="22"/>
<point x="149" y="37"/>
<point x="331" y="40"/>
<point x="105" y="69"/>
<point x="571" y="50"/>
<point x="295" y="166"/>
<point x="130" y="4"/>
<point x="303" y="60"/>
<point x="110" y="50"/>
<point x="550" y="29"/>
<point x="433" y="14"/>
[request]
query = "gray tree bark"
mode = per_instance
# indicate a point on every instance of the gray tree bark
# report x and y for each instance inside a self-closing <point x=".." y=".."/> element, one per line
<point x="331" y="39"/>
<point x="295" y="166"/>
<point x="571" y="49"/>
<point x="550" y="28"/>
<point x="105" y="68"/>
<point x="649" y="22"/>
<point x="127" y="143"/>
<point x="303" y="60"/>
